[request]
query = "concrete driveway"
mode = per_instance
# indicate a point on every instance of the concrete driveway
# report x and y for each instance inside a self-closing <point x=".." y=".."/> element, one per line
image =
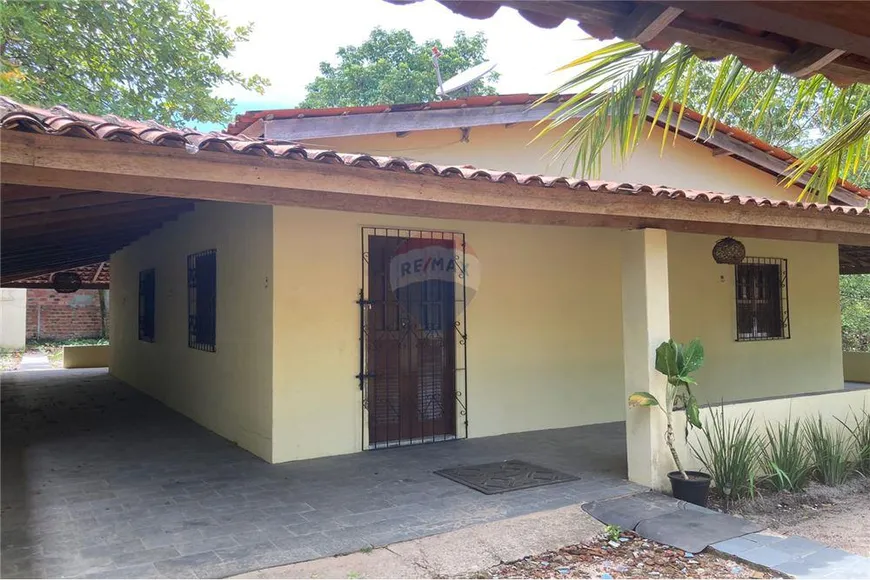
<point x="100" y="480"/>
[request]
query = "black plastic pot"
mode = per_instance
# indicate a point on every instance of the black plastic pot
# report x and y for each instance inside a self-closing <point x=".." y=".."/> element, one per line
<point x="693" y="490"/>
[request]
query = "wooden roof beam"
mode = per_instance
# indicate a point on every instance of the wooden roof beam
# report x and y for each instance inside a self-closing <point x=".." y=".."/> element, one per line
<point x="126" y="167"/>
<point x="96" y="215"/>
<point x="72" y="201"/>
<point x="22" y="283"/>
<point x="98" y="272"/>
<point x="11" y="252"/>
<point x="808" y="59"/>
<point x="719" y="40"/>
<point x="752" y="15"/>
<point x="646" y="22"/>
<point x="37" y="268"/>
<point x="36" y="234"/>
<point x="13" y="192"/>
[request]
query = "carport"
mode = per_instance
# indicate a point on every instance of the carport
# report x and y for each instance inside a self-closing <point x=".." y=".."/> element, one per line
<point x="100" y="480"/>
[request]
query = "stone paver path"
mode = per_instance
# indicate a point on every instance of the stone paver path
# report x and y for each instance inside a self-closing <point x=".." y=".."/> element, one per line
<point x="100" y="480"/>
<point x="666" y="520"/>
<point x="34" y="362"/>
<point x="796" y="556"/>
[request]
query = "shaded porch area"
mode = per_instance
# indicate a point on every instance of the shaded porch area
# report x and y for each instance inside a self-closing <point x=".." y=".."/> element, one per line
<point x="101" y="480"/>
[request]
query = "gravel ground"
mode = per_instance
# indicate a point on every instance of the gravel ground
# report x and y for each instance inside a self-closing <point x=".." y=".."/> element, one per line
<point x="630" y="557"/>
<point x="834" y="516"/>
<point x="9" y="359"/>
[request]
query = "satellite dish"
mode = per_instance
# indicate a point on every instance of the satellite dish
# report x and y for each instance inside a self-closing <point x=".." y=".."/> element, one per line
<point x="465" y="79"/>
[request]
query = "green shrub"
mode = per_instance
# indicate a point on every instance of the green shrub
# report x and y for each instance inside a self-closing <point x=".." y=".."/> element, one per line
<point x="860" y="433"/>
<point x="731" y="453"/>
<point x="787" y="462"/>
<point x="830" y="450"/>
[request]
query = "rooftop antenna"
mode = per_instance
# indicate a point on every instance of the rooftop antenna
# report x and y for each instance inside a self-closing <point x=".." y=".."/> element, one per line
<point x="435" y="55"/>
<point x="463" y="80"/>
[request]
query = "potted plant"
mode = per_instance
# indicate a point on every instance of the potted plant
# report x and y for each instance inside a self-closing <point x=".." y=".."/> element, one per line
<point x="677" y="362"/>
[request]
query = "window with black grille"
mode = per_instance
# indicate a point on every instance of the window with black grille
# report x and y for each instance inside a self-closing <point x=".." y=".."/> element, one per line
<point x="762" y="299"/>
<point x="202" y="300"/>
<point x="146" y="305"/>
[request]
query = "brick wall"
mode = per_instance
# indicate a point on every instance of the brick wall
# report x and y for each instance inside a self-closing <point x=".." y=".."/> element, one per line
<point x="53" y="316"/>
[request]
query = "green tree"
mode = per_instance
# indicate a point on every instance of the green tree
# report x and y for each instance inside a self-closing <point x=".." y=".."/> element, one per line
<point x="611" y="80"/>
<point x="782" y="125"/>
<point x="855" y="306"/>
<point x="390" y="67"/>
<point x="145" y="59"/>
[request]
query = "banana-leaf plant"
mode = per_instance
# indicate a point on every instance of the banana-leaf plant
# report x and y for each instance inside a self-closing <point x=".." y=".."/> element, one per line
<point x="676" y="362"/>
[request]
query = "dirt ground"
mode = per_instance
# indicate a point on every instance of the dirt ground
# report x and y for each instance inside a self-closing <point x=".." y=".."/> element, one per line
<point x="836" y="517"/>
<point x="9" y="359"/>
<point x="630" y="557"/>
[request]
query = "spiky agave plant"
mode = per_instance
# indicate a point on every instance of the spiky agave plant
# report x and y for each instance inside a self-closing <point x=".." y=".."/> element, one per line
<point x="729" y="453"/>
<point x="615" y="92"/>
<point x="860" y="432"/>
<point x="676" y="362"/>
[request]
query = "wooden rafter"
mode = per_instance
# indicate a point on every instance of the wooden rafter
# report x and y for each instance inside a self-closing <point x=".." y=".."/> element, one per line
<point x="808" y="28"/>
<point x="31" y="159"/>
<point x="646" y="22"/>
<point x="88" y="214"/>
<point x="808" y="59"/>
<point x="69" y="201"/>
<point x="98" y="272"/>
<point x="713" y="29"/>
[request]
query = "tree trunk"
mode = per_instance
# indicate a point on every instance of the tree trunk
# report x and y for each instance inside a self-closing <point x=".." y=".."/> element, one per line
<point x="669" y="439"/>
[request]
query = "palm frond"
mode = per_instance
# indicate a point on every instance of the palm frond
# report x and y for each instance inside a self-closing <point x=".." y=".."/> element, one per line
<point x="615" y="96"/>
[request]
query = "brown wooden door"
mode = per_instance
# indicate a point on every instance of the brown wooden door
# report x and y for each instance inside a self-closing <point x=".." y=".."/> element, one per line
<point x="410" y="355"/>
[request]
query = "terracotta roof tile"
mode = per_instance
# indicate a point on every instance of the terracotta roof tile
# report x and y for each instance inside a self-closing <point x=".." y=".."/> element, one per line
<point x="245" y="120"/>
<point x="57" y="121"/>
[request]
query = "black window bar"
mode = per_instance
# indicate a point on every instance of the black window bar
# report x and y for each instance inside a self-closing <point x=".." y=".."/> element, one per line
<point x="761" y="291"/>
<point x="202" y="300"/>
<point x="412" y="367"/>
<point x="146" y="305"/>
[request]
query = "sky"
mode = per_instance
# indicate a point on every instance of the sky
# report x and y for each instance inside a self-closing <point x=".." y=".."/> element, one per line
<point x="291" y="38"/>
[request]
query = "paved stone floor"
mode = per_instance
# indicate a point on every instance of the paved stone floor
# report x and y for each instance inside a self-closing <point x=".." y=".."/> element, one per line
<point x="798" y="557"/>
<point x="99" y="480"/>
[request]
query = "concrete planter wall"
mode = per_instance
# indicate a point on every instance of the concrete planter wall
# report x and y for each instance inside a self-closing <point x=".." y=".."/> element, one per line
<point x="856" y="366"/>
<point x="86" y="357"/>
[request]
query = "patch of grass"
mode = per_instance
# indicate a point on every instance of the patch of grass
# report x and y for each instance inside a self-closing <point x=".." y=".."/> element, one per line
<point x="830" y="450"/>
<point x="612" y="532"/>
<point x="367" y="549"/>
<point x="860" y="433"/>
<point x="10" y="358"/>
<point x="53" y="344"/>
<point x="55" y="357"/>
<point x="787" y="462"/>
<point x="730" y="454"/>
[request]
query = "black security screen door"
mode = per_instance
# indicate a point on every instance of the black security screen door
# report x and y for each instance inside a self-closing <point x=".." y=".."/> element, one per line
<point x="411" y="323"/>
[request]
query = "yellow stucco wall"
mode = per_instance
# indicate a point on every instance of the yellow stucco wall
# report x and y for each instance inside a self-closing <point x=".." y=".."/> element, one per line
<point x="545" y="330"/>
<point x="86" y="356"/>
<point x="703" y="305"/>
<point x="856" y="366"/>
<point x="831" y="406"/>
<point x="228" y="391"/>
<point x="545" y="327"/>
<point x="684" y="164"/>
<point x="13" y="318"/>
